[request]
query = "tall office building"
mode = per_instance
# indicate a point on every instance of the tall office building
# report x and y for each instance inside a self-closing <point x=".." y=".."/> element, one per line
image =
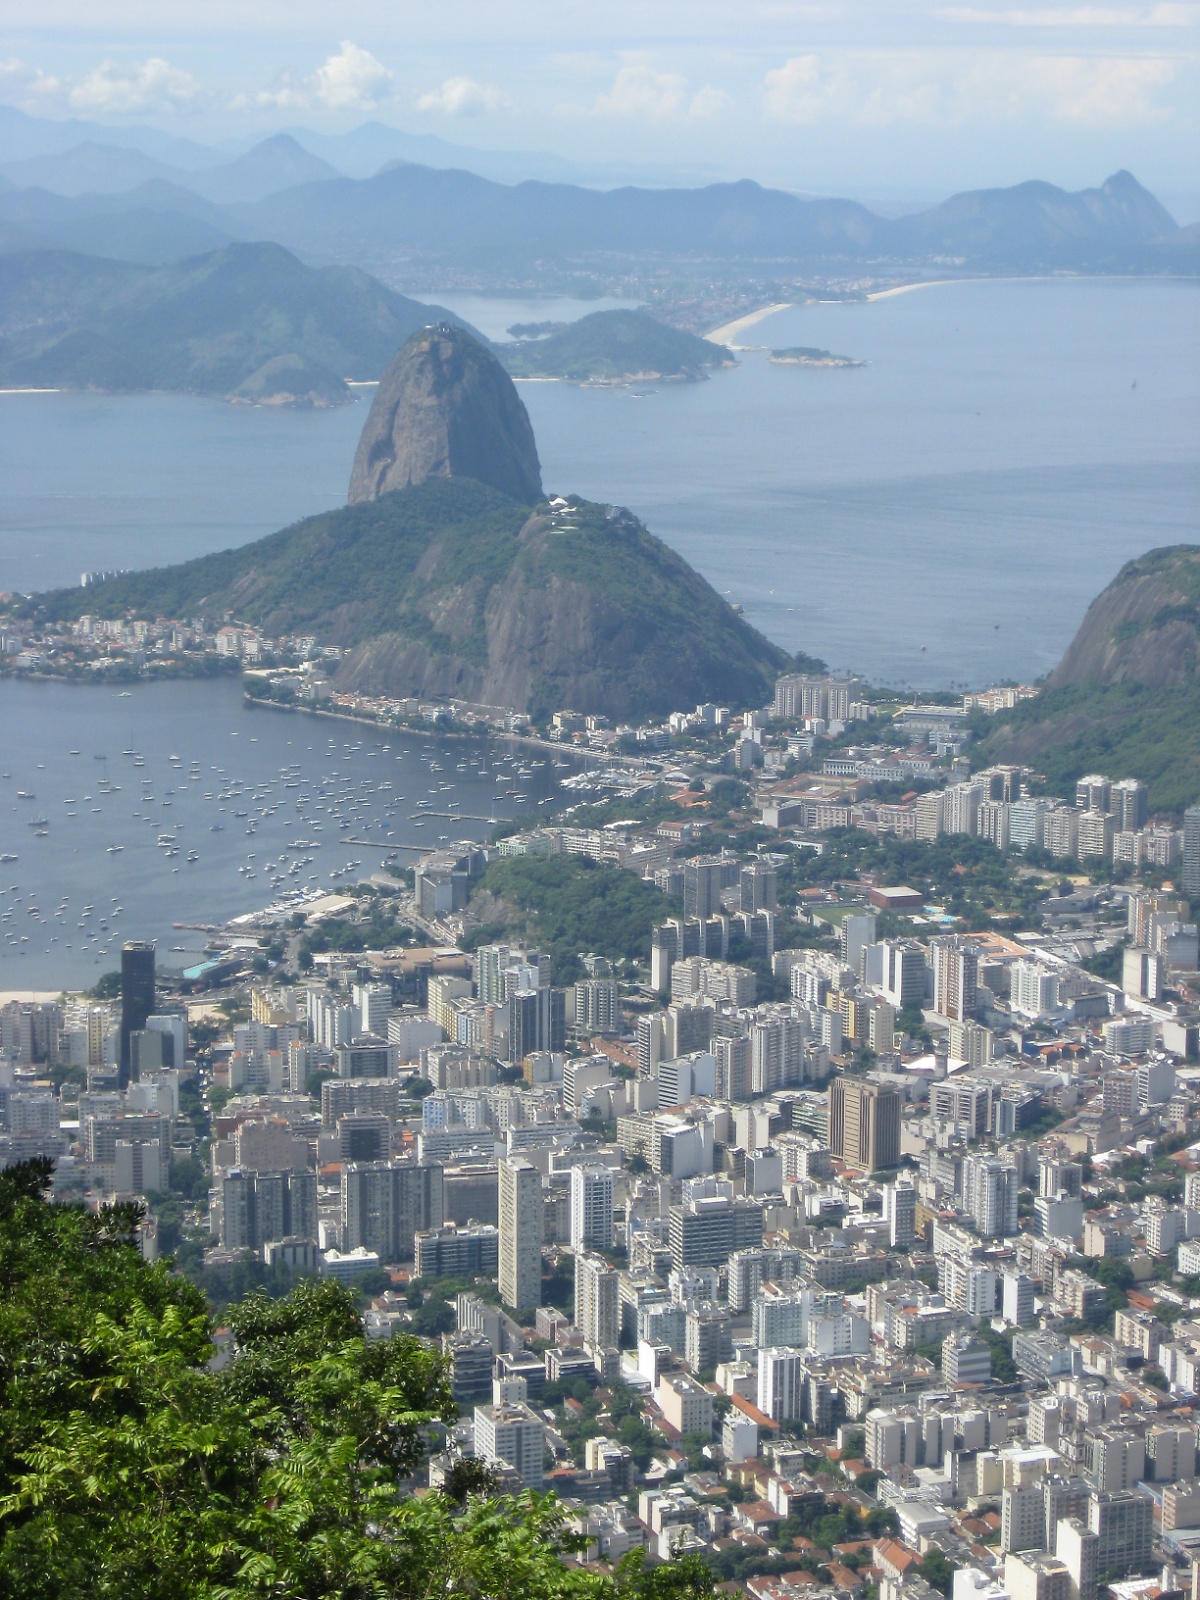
<point x="904" y="975"/>
<point x="137" y="996"/>
<point x="536" y="1021"/>
<point x="596" y="1313"/>
<point x="386" y="1203"/>
<point x="864" y="1123"/>
<point x="521" y="1210"/>
<point x="703" y="879"/>
<point x="900" y="1213"/>
<point x="591" y="1208"/>
<point x="1191" y="853"/>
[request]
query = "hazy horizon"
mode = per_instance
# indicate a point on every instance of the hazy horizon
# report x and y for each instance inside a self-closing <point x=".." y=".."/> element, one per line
<point x="897" y="104"/>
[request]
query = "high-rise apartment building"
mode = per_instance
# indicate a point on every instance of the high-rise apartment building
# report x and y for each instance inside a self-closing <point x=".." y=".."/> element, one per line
<point x="955" y="980"/>
<point x="258" y="1207"/>
<point x="386" y="1203"/>
<point x="1035" y="1575"/>
<point x="1123" y="1523"/>
<point x="596" y="1311"/>
<point x="512" y="1436"/>
<point x="1093" y="792"/>
<point x="1130" y="802"/>
<point x="990" y="1195"/>
<point x="597" y="1006"/>
<point x="591" y="1208"/>
<point x="780" y="1383"/>
<point x="1191" y="853"/>
<point x="1078" y="1550"/>
<point x="864" y="1123"/>
<point x="900" y="1214"/>
<point x="521" y="1209"/>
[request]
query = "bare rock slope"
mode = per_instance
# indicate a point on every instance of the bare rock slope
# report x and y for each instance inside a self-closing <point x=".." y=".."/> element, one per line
<point x="1144" y="628"/>
<point x="445" y="408"/>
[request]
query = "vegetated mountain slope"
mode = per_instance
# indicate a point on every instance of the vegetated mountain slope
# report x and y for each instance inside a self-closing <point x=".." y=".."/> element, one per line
<point x="1144" y="628"/>
<point x="612" y="345"/>
<point x="450" y="588"/>
<point x="1126" y="730"/>
<point x="456" y="217"/>
<point x="446" y="408"/>
<point x="1125" y="699"/>
<point x="1036" y="224"/>
<point x="153" y="224"/>
<point x="250" y="321"/>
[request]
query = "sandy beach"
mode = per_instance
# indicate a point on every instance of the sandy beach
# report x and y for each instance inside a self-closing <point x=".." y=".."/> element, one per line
<point x="907" y="288"/>
<point x="728" y="332"/>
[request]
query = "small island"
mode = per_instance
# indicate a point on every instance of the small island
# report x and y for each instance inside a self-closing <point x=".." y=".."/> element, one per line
<point x="805" y="356"/>
<point x="614" y="347"/>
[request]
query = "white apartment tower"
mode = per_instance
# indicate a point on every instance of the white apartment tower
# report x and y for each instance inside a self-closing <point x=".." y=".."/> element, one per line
<point x="780" y="1383"/>
<point x="900" y="1213"/>
<point x="591" y="1208"/>
<point x="596" y="1311"/>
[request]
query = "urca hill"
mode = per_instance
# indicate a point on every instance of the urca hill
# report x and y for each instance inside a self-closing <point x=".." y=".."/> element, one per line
<point x="451" y="575"/>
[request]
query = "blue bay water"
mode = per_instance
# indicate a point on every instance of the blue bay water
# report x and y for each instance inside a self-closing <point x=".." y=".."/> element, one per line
<point x="943" y="515"/>
<point x="98" y="861"/>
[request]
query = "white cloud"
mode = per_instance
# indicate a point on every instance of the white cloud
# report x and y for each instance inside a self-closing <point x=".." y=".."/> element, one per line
<point x="152" y="85"/>
<point x="952" y="88"/>
<point x="463" y="97"/>
<point x="351" y="80"/>
<point x="110" y="89"/>
<point x="1160" y="16"/>
<point x="24" y="82"/>
<point x="640" y="93"/>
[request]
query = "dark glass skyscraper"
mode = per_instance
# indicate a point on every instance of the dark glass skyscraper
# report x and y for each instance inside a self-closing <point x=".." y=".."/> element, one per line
<point x="137" y="995"/>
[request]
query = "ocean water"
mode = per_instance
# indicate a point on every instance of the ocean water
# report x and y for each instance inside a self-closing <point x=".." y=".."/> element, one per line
<point x="66" y="761"/>
<point x="943" y="515"/>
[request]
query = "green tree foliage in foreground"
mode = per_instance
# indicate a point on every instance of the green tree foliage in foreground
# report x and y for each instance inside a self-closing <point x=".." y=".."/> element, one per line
<point x="129" y="1469"/>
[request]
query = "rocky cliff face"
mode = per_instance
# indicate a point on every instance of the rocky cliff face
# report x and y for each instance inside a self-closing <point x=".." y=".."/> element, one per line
<point x="446" y="408"/>
<point x="1143" y="629"/>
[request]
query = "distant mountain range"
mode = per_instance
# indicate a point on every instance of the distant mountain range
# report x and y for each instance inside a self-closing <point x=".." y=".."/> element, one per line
<point x="152" y="200"/>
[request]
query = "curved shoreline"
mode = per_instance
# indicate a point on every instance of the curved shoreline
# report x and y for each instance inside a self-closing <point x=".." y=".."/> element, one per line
<point x="729" y="331"/>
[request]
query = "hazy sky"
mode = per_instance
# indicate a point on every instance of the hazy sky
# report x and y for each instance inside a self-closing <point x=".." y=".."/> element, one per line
<point x="871" y="97"/>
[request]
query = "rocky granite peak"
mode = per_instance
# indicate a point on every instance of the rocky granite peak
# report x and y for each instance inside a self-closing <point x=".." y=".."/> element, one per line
<point x="1144" y="628"/>
<point x="446" y="408"/>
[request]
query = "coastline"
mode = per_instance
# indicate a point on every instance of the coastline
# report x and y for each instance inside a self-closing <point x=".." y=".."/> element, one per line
<point x="908" y="288"/>
<point x="729" y="331"/>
